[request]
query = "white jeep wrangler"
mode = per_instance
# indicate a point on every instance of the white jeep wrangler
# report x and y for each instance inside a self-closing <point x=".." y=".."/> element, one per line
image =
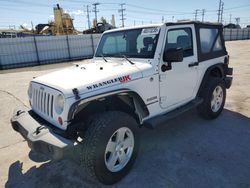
<point x="139" y="76"/>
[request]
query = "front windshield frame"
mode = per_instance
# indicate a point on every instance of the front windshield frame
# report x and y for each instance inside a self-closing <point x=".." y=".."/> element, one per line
<point x="132" y="44"/>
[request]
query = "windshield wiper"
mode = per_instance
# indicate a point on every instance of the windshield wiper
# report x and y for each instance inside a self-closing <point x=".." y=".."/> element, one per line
<point x="104" y="58"/>
<point x="125" y="57"/>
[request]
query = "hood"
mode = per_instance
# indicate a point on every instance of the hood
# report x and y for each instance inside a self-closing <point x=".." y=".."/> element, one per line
<point x="91" y="76"/>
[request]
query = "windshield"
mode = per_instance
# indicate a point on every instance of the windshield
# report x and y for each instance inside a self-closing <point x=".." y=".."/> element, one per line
<point x="134" y="43"/>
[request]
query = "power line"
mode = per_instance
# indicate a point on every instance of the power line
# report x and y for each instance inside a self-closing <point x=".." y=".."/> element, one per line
<point x="27" y="3"/>
<point x="140" y="19"/>
<point x="135" y="9"/>
<point x="155" y="10"/>
<point x="121" y="10"/>
<point x="157" y="13"/>
<point x="242" y="6"/>
<point x="77" y="1"/>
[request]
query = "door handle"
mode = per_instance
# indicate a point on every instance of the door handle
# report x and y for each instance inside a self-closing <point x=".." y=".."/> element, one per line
<point x="193" y="64"/>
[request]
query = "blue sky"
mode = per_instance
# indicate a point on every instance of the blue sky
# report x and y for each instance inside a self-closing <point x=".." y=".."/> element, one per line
<point x="22" y="12"/>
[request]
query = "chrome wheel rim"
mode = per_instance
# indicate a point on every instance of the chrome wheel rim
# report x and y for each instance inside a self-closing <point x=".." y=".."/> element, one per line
<point x="119" y="149"/>
<point x="217" y="99"/>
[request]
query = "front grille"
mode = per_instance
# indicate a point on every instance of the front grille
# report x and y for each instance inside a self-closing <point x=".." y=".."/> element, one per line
<point x="43" y="101"/>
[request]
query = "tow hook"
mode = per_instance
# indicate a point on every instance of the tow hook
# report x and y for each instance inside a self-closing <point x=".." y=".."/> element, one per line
<point x="38" y="129"/>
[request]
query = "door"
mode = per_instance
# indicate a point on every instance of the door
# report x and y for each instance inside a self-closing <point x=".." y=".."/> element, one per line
<point x="177" y="85"/>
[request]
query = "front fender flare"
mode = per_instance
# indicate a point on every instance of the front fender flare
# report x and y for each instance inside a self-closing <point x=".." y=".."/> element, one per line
<point x="140" y="106"/>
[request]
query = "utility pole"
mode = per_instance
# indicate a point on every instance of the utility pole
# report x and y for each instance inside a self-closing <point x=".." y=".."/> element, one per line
<point x="196" y="14"/>
<point x="162" y="19"/>
<point x="88" y="16"/>
<point x="121" y="10"/>
<point x="230" y="21"/>
<point x="219" y="11"/>
<point x="95" y="10"/>
<point x="203" y="14"/>
<point x="222" y="9"/>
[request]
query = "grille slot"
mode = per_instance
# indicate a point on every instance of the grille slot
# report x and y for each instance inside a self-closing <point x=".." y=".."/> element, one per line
<point x="43" y="102"/>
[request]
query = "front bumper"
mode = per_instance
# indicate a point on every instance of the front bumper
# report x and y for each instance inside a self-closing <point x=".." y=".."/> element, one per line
<point x="40" y="137"/>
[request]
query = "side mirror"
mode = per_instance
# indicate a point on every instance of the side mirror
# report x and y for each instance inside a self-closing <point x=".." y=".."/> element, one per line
<point x="173" y="55"/>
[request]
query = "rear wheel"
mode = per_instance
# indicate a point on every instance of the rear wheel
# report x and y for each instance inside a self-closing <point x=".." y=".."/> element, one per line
<point x="214" y="95"/>
<point x="110" y="146"/>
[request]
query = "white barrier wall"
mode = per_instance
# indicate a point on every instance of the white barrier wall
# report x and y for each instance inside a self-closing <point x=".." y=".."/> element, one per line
<point x="236" y="34"/>
<point x="30" y="51"/>
<point x="14" y="51"/>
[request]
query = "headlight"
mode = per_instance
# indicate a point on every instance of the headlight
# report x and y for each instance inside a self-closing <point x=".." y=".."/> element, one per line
<point x="59" y="104"/>
<point x="30" y="91"/>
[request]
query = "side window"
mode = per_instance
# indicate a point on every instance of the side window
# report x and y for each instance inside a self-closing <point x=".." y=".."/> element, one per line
<point x="218" y="45"/>
<point x="207" y="38"/>
<point x="180" y="38"/>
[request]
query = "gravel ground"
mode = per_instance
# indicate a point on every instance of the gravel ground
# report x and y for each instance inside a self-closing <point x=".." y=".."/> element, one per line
<point x="186" y="152"/>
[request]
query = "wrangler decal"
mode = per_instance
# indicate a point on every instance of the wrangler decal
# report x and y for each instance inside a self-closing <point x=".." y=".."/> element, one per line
<point x="121" y="79"/>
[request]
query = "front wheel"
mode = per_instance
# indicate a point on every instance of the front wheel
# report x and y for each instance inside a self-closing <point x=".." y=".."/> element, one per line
<point x="214" y="96"/>
<point x="110" y="146"/>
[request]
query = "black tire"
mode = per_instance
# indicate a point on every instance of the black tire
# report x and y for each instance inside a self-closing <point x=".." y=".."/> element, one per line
<point x="100" y="129"/>
<point x="205" y="109"/>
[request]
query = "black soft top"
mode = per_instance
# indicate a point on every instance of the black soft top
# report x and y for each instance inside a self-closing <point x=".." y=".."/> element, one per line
<point x="198" y="25"/>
